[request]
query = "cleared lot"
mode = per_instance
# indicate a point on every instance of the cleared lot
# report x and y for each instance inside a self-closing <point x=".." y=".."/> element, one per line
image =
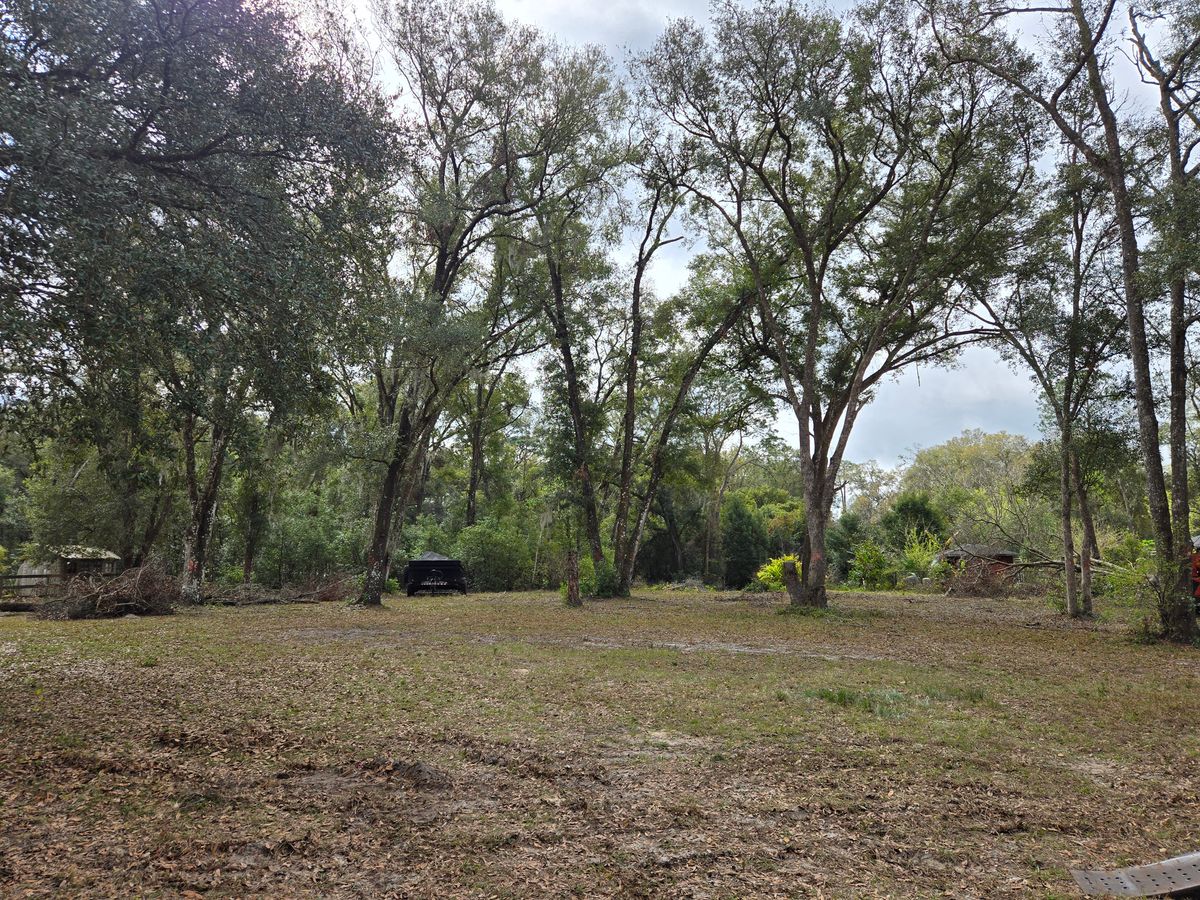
<point x="674" y="744"/>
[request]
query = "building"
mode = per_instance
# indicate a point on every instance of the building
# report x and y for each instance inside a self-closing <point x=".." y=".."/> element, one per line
<point x="63" y="563"/>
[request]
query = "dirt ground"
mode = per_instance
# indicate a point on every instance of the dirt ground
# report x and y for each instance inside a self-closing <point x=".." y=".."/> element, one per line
<point x="670" y="745"/>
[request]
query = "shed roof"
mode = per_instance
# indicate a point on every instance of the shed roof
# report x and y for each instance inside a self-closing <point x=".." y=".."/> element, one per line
<point x="78" y="551"/>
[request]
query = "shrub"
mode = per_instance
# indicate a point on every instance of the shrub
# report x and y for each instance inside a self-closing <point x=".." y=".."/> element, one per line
<point x="871" y="568"/>
<point x="495" y="556"/>
<point x="594" y="582"/>
<point x="940" y="572"/>
<point x="1132" y="574"/>
<point x="843" y="537"/>
<point x="604" y="580"/>
<point x="770" y="576"/>
<point x="920" y="551"/>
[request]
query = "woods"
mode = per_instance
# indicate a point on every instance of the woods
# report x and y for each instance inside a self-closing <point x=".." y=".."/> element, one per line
<point x="290" y="294"/>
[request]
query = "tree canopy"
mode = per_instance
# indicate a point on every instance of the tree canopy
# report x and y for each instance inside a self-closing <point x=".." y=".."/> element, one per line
<point x="285" y="295"/>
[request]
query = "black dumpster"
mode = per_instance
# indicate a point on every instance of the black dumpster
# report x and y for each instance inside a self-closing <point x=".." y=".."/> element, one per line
<point x="434" y="572"/>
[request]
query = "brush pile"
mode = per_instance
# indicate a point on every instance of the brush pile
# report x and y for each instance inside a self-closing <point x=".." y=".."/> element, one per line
<point x="144" y="591"/>
<point x="316" y="591"/>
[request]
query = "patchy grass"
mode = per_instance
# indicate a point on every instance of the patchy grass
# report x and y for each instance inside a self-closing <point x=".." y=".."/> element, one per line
<point x="674" y="744"/>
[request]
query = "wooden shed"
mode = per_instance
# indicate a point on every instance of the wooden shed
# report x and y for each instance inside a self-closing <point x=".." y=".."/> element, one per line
<point x="63" y="563"/>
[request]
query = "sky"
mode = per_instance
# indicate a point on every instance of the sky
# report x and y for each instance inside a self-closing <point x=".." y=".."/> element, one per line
<point x="920" y="408"/>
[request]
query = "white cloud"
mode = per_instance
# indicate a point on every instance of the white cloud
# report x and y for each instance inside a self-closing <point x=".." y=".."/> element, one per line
<point x="927" y="406"/>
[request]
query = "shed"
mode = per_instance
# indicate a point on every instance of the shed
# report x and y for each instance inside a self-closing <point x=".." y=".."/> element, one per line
<point x="62" y="563"/>
<point x="990" y="557"/>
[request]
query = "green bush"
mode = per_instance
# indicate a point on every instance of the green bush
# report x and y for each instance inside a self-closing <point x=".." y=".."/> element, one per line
<point x="496" y="556"/>
<point x="911" y="511"/>
<point x="843" y="536"/>
<point x="770" y="576"/>
<point x="920" y="552"/>
<point x="1130" y="578"/>
<point x="604" y="580"/>
<point x="593" y="582"/>
<point x="871" y="568"/>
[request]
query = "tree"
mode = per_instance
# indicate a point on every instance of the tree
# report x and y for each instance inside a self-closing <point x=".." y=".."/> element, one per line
<point x="863" y="185"/>
<point x="912" y="511"/>
<point x="1058" y="322"/>
<point x="487" y="405"/>
<point x="744" y="541"/>
<point x="1072" y="85"/>
<point x="474" y="82"/>
<point x="169" y="173"/>
<point x="709" y="323"/>
<point x="977" y="480"/>
<point x="573" y="192"/>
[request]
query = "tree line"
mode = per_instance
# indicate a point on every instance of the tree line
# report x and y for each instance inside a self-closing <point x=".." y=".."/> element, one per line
<point x="274" y="279"/>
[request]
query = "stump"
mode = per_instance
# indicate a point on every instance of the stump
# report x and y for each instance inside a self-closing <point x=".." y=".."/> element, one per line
<point x="791" y="580"/>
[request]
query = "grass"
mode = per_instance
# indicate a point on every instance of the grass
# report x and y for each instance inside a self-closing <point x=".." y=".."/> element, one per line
<point x="674" y="744"/>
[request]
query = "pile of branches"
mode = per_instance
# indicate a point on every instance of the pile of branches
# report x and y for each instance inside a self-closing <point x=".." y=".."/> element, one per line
<point x="144" y="591"/>
<point x="318" y="591"/>
<point x="340" y="588"/>
<point x="980" y="581"/>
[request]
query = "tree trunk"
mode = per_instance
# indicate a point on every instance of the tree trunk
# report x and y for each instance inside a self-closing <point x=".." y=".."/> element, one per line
<point x="1068" y="538"/>
<point x="253" y="532"/>
<point x="623" y="548"/>
<point x="476" y="456"/>
<point x="414" y="496"/>
<point x="573" y="597"/>
<point x="1091" y="547"/>
<point x="378" y="560"/>
<point x="203" y="502"/>
<point x="378" y="550"/>
<point x="1176" y="611"/>
<point x="816" y="563"/>
<point x="791" y="581"/>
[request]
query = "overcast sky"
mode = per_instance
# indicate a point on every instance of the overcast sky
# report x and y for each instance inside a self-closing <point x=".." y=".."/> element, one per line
<point x="920" y="409"/>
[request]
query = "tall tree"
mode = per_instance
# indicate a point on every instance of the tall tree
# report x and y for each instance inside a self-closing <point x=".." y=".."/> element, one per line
<point x="576" y="190"/>
<point x="1076" y="77"/>
<point x="469" y="127"/>
<point x="862" y="183"/>
<point x="167" y="173"/>
<point x="1059" y="320"/>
